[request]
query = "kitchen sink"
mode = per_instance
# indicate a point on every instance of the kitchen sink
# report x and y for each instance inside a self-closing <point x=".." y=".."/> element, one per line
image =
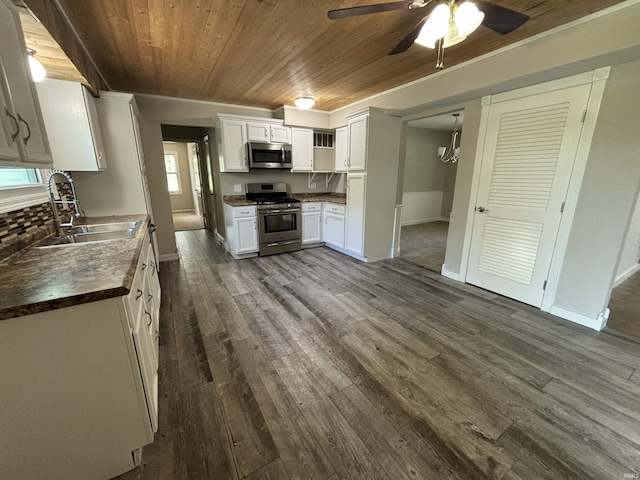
<point x="94" y="233"/>
<point x="108" y="227"/>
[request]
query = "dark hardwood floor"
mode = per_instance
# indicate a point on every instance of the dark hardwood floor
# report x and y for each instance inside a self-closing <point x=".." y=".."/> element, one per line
<point x="313" y="365"/>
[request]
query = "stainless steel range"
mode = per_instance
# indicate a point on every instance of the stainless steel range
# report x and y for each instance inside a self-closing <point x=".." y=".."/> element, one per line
<point x="279" y="218"/>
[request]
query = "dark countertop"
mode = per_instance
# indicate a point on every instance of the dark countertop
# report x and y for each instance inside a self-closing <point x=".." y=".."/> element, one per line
<point x="241" y="201"/>
<point x="40" y="279"/>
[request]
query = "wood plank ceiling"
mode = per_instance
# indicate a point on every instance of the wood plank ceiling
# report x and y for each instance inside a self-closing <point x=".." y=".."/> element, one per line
<point x="264" y="53"/>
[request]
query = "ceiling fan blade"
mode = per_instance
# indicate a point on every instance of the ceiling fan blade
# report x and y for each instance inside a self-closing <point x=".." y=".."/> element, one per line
<point x="407" y="41"/>
<point x="500" y="19"/>
<point x="367" y="9"/>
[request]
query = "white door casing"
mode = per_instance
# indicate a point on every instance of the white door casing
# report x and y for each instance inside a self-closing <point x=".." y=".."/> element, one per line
<point x="529" y="151"/>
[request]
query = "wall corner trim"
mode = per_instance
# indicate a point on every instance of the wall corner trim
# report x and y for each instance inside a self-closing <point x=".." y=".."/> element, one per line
<point x="450" y="274"/>
<point x="597" y="323"/>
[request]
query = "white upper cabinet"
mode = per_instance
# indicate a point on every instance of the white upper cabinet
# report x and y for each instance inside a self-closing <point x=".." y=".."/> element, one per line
<point x="358" y="137"/>
<point x="23" y="140"/>
<point x="268" y="133"/>
<point x="280" y="134"/>
<point x="232" y="149"/>
<point x="302" y="149"/>
<point x="70" y="115"/>
<point x="341" y="149"/>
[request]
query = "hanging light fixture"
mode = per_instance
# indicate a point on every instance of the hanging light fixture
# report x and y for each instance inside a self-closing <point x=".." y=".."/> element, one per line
<point x="38" y="73"/>
<point x="447" y="25"/>
<point x="451" y="153"/>
<point x="304" y="103"/>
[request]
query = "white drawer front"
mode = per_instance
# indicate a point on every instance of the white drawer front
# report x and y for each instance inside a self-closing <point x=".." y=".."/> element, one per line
<point x="312" y="207"/>
<point x="334" y="208"/>
<point x="239" y="212"/>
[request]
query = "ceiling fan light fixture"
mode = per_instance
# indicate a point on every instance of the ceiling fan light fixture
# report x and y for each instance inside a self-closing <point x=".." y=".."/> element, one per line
<point x="467" y="18"/>
<point x="435" y="27"/>
<point x="452" y="37"/>
<point x="38" y="73"/>
<point x="304" y="103"/>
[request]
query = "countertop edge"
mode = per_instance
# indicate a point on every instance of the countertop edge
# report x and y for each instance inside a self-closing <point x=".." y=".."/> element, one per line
<point x="16" y="311"/>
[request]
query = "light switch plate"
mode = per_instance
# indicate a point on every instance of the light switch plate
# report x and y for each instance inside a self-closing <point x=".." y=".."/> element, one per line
<point x="237" y="188"/>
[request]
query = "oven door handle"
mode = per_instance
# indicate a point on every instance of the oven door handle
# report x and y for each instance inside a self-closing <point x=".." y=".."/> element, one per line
<point x="277" y="244"/>
<point x="272" y="212"/>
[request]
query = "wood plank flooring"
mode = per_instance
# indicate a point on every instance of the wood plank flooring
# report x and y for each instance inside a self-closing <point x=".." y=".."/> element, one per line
<point x="312" y="365"/>
<point x="625" y="307"/>
<point x="425" y="244"/>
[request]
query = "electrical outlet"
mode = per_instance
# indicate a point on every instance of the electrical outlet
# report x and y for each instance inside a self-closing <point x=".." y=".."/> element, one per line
<point x="237" y="188"/>
<point x="312" y="185"/>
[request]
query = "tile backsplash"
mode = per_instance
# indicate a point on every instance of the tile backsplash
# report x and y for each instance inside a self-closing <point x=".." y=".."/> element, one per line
<point x="19" y="228"/>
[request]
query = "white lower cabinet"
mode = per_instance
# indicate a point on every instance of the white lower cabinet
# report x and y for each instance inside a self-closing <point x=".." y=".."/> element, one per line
<point x="241" y="226"/>
<point x="354" y="238"/>
<point x="311" y="223"/>
<point x="80" y="384"/>
<point x="334" y="225"/>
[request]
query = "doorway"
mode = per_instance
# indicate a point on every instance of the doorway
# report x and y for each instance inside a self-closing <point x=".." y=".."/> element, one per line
<point x="430" y="169"/>
<point x="199" y="207"/>
<point x="184" y="184"/>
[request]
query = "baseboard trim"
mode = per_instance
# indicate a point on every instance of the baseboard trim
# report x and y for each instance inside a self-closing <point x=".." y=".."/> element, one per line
<point x="184" y="211"/>
<point x="220" y="239"/>
<point x="597" y="323"/>
<point x="422" y="220"/>
<point x="450" y="274"/>
<point x="169" y="257"/>
<point x="626" y="275"/>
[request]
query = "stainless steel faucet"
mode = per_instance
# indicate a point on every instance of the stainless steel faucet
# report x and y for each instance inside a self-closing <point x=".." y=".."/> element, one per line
<point x="63" y="227"/>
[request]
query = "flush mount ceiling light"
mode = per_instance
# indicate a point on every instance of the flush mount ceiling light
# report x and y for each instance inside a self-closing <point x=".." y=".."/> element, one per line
<point x="304" y="103"/>
<point x="38" y="73"/>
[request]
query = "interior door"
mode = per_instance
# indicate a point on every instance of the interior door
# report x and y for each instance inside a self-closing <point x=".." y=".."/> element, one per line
<point x="530" y="148"/>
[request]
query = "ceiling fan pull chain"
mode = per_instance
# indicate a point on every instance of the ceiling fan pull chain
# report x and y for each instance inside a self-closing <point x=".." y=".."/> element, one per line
<point x="440" y="61"/>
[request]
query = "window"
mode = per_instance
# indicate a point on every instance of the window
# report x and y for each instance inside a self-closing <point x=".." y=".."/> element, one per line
<point x="322" y="140"/>
<point x="21" y="187"/>
<point x="173" y="175"/>
<point x="17" y="177"/>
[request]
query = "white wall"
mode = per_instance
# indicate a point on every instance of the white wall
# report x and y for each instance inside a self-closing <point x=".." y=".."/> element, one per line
<point x="630" y="255"/>
<point x="606" y="200"/>
<point x="424" y="175"/>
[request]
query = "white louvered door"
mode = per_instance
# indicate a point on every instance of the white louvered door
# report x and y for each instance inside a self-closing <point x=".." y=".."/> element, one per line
<point x="530" y="148"/>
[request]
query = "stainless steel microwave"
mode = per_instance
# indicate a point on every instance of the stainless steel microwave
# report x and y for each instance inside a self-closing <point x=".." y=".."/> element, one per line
<point x="269" y="155"/>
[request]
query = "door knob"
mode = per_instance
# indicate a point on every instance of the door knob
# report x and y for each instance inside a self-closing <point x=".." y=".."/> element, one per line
<point x="481" y="209"/>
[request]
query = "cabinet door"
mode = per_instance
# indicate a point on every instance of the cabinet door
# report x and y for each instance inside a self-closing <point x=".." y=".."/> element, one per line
<point x="334" y="230"/>
<point x="144" y="350"/>
<point x="280" y="134"/>
<point x="94" y="127"/>
<point x="311" y="227"/>
<point x="355" y="214"/>
<point x="342" y="149"/>
<point x="302" y="149"/>
<point x="358" y="135"/>
<point x="246" y="235"/>
<point x="9" y="151"/>
<point x="20" y="91"/>
<point x="234" y="147"/>
<point x="75" y="138"/>
<point x="258" y="132"/>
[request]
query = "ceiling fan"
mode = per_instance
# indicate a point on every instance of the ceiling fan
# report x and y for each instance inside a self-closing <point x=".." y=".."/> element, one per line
<point x="448" y="23"/>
